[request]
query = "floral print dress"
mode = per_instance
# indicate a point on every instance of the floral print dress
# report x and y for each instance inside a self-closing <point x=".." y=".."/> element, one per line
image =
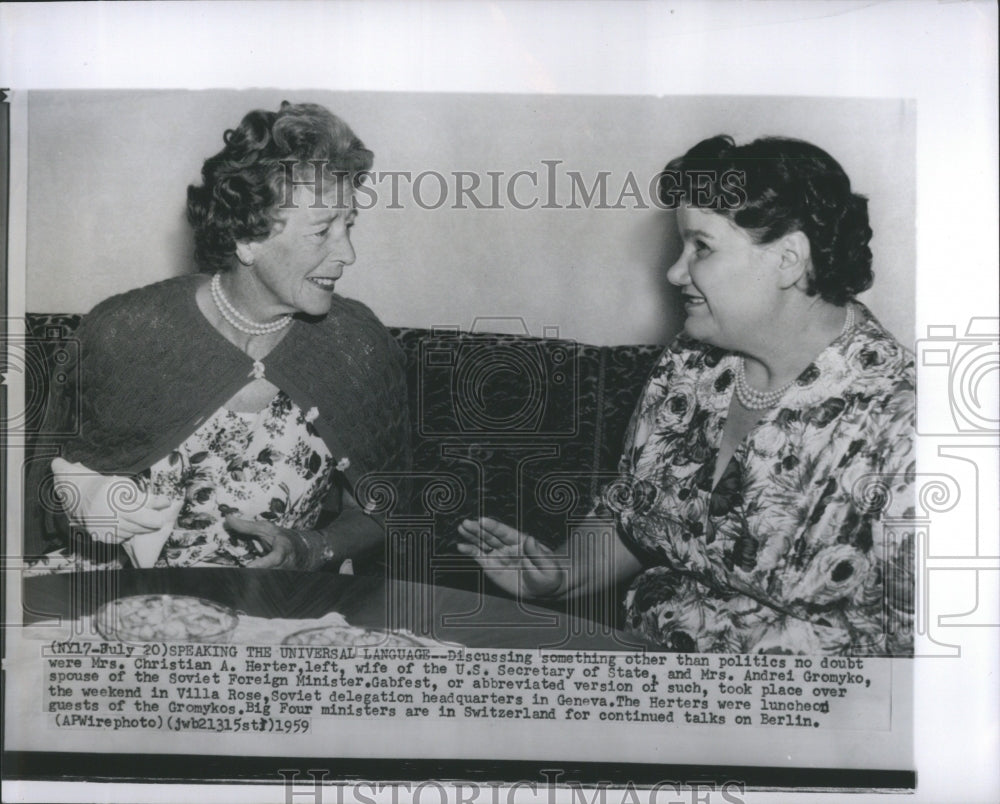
<point x="796" y="549"/>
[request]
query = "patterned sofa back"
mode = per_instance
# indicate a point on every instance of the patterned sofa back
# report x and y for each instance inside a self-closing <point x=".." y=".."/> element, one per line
<point x="526" y="430"/>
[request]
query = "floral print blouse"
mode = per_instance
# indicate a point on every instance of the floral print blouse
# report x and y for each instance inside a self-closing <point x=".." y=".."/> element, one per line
<point x="794" y="549"/>
<point x="270" y="466"/>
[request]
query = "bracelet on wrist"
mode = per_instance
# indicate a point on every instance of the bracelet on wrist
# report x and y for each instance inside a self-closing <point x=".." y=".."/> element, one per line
<point x="317" y="548"/>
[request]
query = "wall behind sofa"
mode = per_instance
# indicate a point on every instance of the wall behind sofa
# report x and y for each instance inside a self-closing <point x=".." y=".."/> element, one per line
<point x="108" y="173"/>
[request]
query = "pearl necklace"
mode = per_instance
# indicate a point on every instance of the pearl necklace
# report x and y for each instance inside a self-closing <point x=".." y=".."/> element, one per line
<point x="752" y="399"/>
<point x="239" y="321"/>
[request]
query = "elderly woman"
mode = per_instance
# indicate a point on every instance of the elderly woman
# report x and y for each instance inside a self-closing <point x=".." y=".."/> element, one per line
<point x="744" y="513"/>
<point x="227" y="414"/>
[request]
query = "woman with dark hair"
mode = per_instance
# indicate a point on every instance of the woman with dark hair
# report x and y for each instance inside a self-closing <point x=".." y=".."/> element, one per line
<point x="773" y="441"/>
<point x="228" y="414"/>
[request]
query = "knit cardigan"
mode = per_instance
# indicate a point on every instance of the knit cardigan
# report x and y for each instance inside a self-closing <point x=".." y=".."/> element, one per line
<point x="152" y="369"/>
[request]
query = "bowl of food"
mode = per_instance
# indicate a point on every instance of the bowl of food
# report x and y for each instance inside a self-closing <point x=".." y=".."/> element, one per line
<point x="347" y="636"/>
<point x="165" y="618"/>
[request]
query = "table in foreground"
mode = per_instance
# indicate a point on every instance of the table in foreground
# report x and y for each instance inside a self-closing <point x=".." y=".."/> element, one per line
<point x="474" y="619"/>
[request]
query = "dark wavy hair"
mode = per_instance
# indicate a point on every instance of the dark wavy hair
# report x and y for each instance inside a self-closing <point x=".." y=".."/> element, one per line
<point x="774" y="186"/>
<point x="243" y="183"/>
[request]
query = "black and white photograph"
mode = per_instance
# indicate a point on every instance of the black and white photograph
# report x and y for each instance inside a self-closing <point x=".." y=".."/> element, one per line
<point x="389" y="415"/>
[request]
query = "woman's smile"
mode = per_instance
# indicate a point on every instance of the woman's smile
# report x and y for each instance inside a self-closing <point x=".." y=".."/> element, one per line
<point x="326" y="283"/>
<point x="692" y="302"/>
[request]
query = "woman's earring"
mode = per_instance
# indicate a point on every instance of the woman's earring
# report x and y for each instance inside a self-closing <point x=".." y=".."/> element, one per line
<point x="245" y="259"/>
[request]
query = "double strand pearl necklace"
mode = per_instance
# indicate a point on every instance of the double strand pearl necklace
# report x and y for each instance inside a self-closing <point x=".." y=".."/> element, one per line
<point x="752" y="399"/>
<point x="239" y="321"/>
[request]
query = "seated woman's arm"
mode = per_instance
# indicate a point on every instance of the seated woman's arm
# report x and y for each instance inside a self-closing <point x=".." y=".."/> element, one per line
<point x="594" y="558"/>
<point x="350" y="534"/>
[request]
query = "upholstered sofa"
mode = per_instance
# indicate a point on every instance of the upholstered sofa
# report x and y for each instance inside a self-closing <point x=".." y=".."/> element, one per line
<point x="524" y="429"/>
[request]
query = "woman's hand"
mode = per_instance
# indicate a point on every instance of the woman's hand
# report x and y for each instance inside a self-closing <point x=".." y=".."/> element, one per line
<point x="286" y="548"/>
<point x="111" y="508"/>
<point x="516" y="562"/>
